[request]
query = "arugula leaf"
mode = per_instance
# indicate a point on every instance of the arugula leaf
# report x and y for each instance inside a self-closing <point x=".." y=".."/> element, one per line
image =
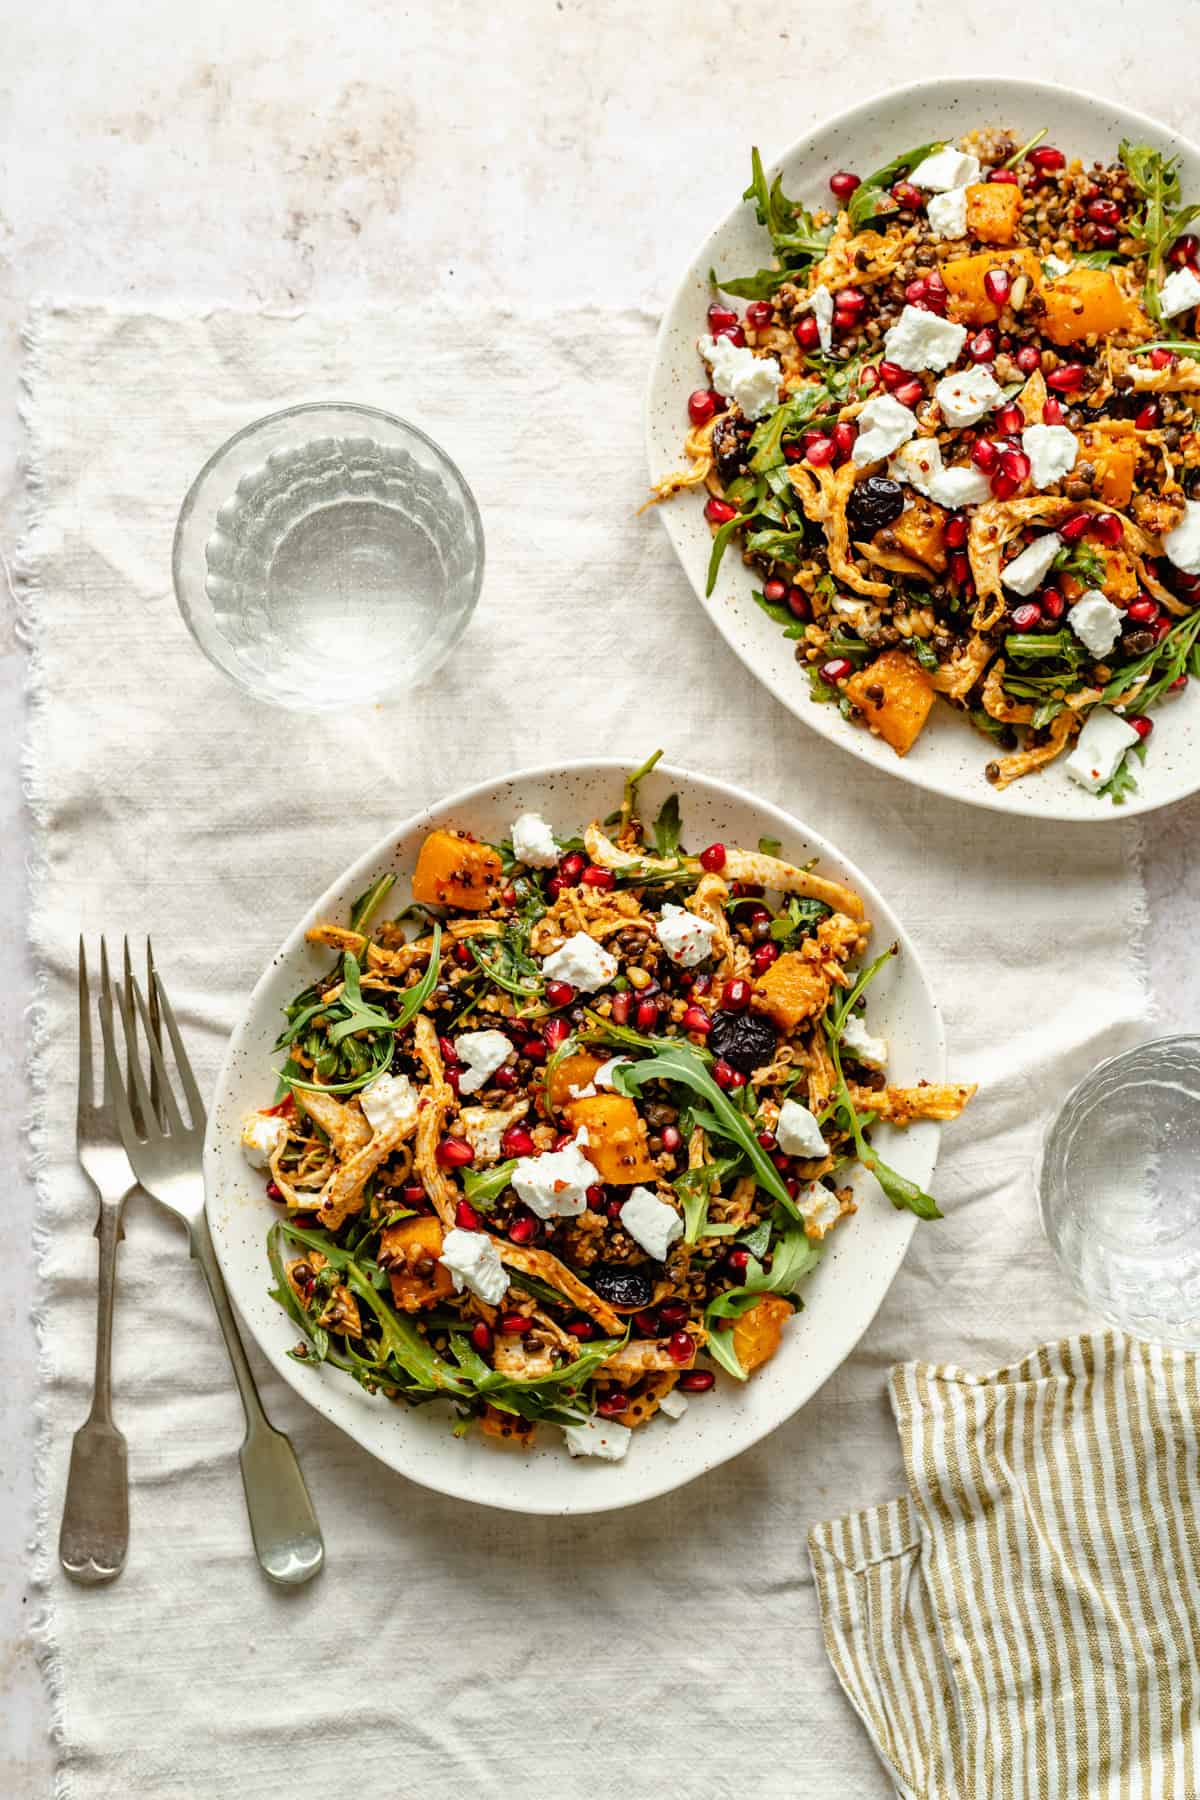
<point x="1185" y="344"/>
<point x="1163" y="218"/>
<point x="504" y="960"/>
<point x="1157" y="669"/>
<point x="1097" y="259"/>
<point x="1020" y="155"/>
<point x="1039" y="646"/>
<point x="369" y="903"/>
<point x="483" y="1187"/>
<point x="899" y="1189"/>
<point x="766" y="445"/>
<point x="982" y="721"/>
<point x="792" y="1257"/>
<point x="414" y="998"/>
<point x="770" y="846"/>
<point x="360" y="1014"/>
<point x="1082" y="561"/>
<point x="759" y="286"/>
<point x="771" y="543"/>
<point x="667" y="826"/>
<point x="924" y="653"/>
<point x="349" y="1086"/>
<point x="695" y="1188"/>
<point x="675" y="1061"/>
<point x="870" y="200"/>
<point x="1123" y="782"/>
<point x="799" y="919"/>
<point x="720" y="543"/>
<point x="779" y="615"/>
<point x="795" y="239"/>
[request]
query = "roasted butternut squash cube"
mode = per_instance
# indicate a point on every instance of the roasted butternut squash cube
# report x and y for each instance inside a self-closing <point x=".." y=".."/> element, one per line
<point x="757" y="1334"/>
<point x="574" y="1071"/>
<point x="413" y="1247"/>
<point x="920" y="531"/>
<point x="455" y="871"/>
<point x="1112" y="449"/>
<point x="790" y="990"/>
<point x="993" y="211"/>
<point x="617" y="1139"/>
<point x="1082" y="302"/>
<point x="963" y="275"/>
<point x="895" y="695"/>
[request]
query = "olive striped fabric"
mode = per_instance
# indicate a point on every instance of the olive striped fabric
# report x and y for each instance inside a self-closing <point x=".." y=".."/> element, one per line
<point x="1025" y="1624"/>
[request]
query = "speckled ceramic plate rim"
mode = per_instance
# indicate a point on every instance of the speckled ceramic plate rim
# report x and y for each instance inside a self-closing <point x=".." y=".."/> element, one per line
<point x="949" y="757"/>
<point x="842" y="1298"/>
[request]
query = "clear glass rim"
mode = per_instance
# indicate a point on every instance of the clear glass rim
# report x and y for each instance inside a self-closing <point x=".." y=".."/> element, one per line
<point x="214" y="651"/>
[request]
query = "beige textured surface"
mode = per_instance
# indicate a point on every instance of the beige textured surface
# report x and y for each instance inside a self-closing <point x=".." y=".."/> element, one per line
<point x="254" y="152"/>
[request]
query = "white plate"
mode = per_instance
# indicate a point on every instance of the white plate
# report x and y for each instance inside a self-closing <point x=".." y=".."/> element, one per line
<point x="949" y="757"/>
<point x="840" y="1299"/>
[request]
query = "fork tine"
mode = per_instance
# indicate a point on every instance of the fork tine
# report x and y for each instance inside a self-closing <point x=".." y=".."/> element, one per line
<point x="112" y="1068"/>
<point x="156" y="1028"/>
<point x="87" y="1089"/>
<point x="130" y="997"/>
<point x="130" y="1024"/>
<point x="194" y="1100"/>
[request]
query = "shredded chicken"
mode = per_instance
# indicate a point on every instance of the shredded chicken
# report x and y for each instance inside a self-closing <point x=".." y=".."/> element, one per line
<point x="343" y="1125"/>
<point x="697" y="448"/>
<point x="997" y="704"/>
<point x="708" y="902"/>
<point x="436" y="1102"/>
<point x="521" y="1358"/>
<point x="898" y="1106"/>
<point x="646" y="1356"/>
<point x="957" y="676"/>
<point x="336" y="937"/>
<point x="547" y="1267"/>
<point x="823" y="494"/>
<point x="1011" y="768"/>
<point x="785" y="878"/>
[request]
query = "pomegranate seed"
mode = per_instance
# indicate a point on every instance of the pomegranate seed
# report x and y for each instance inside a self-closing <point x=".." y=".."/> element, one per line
<point x="1052" y="413"/>
<point x="1069" y="377"/>
<point x="844" y="435"/>
<point x="767" y="1139"/>
<point x="516" y="1323"/>
<point x="1028" y="358"/>
<point x="793" y="453"/>
<point x="413" y="1193"/>
<point x="1016" y="464"/>
<point x="914" y="293"/>
<point x="910" y="393"/>
<point x="1150" y="416"/>
<point x="956" y="530"/>
<point x="905" y="194"/>
<point x="936" y="293"/>
<point x="756" y="913"/>
<point x="465" y="1216"/>
<point x="723" y="1073"/>
<point x="1027" y="616"/>
<point x="517" y="1142"/>
<point x="983" y="346"/>
<point x="671" y="1135"/>
<point x="844" y="321"/>
<point x="797" y="601"/>
<point x="1160" y="629"/>
<point x="453" y="1075"/>
<point x="555" y="886"/>
<point x="697" y="1381"/>
<point x="455" y="1153"/>
<point x="583" y="1329"/>
<point x="1143" y="727"/>
<point x="702" y="405"/>
<point x="1046" y="159"/>
<point x="713" y="859"/>
<point x="647" y="1323"/>
<point x="621" y="1004"/>
<point x="522" y="1229"/>
<point x="960" y="568"/>
<point x="868" y="379"/>
<point x="274" y="1191"/>
<point x="1009" y="419"/>
<point x="1162" y="359"/>
<point x="1072" y="529"/>
<point x="1004" y="486"/>
<point x="1053" y="603"/>
<point x="1142" y="611"/>
<point x="1180" y="681"/>
<point x="762" y="956"/>
<point x="1007" y="177"/>
<point x="891" y="374"/>
<point x="462" y="956"/>
<point x="836" y="669"/>
<point x="851" y="300"/>
<point x="807" y="333"/>
<point x="820" y="453"/>
<point x="720" y="318"/>
<point x="1104" y="212"/>
<point x="1108" y="528"/>
<point x="1184" y="250"/>
<point x="597" y="1199"/>
<point x="672" y="1314"/>
<point x="508" y="896"/>
<point x="571" y="867"/>
<point x="554" y="1031"/>
<point x="719" y="512"/>
<point x="680" y="1347"/>
<point x="535" y="1050"/>
<point x="696" y="1019"/>
<point x="782" y="1161"/>
<point x="792" y="1184"/>
<point x="985" y="455"/>
<point x="997" y="285"/>
<point x="594" y="877"/>
<point x="611" y="1406"/>
<point x="758" y="315"/>
<point x="559" y="993"/>
<point x="843" y="183"/>
<point x="736" y="997"/>
<point x="734" y="333"/>
<point x="613" y="1209"/>
<point x="646" y="1017"/>
<point x="773" y="591"/>
<point x="1107" y="236"/>
<point x="481" y="1337"/>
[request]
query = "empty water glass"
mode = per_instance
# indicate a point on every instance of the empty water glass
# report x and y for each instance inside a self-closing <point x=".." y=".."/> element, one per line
<point x="328" y="556"/>
<point x="1119" y="1190"/>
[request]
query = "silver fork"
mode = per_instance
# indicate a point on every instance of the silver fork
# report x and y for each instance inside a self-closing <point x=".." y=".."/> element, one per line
<point x="166" y="1153"/>
<point x="94" y="1537"/>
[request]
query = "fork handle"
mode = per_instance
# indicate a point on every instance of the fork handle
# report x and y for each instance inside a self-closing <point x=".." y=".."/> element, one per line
<point x="94" y="1538"/>
<point x="283" y="1524"/>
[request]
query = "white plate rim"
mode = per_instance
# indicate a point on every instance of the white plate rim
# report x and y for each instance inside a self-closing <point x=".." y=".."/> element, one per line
<point x="1022" y="799"/>
<point x="322" y="1393"/>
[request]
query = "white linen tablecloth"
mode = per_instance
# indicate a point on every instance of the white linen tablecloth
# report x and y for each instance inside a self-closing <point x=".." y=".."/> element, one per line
<point x="446" y="1650"/>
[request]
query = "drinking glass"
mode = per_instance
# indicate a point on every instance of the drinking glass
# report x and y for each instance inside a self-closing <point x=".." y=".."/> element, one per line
<point x="328" y="556"/>
<point x="1119" y="1190"/>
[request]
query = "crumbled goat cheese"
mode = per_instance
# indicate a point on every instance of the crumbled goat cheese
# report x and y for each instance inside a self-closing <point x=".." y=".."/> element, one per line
<point x="883" y="425"/>
<point x="481" y="1054"/>
<point x="1051" y="450"/>
<point x="1179" y="292"/>
<point x="651" y="1223"/>
<point x="262" y="1135"/>
<point x="686" y="938"/>
<point x="1096" y="622"/>
<point x="947" y="213"/>
<point x="533" y="842"/>
<point x="582" y="962"/>
<point x="945" y="169"/>
<point x="870" y="1051"/>
<point x="965" y="397"/>
<point x="390" y="1100"/>
<point x="474" y="1262"/>
<point x="1028" y="571"/>
<point x="1099" y="749"/>
<point x="753" y="381"/>
<point x="555" y="1184"/>
<point x="920" y="340"/>
<point x="1183" y="544"/>
<point x="797" y="1131"/>
<point x="599" y="1437"/>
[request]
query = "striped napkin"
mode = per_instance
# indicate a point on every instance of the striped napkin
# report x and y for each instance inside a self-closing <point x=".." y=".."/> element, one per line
<point x="1027" y="1621"/>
